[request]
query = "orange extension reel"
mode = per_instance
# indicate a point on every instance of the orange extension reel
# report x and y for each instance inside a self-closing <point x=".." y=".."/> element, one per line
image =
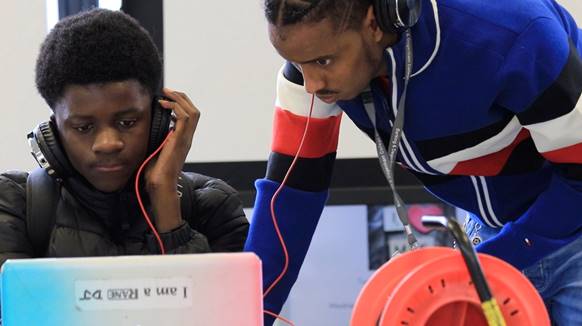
<point x="442" y="286"/>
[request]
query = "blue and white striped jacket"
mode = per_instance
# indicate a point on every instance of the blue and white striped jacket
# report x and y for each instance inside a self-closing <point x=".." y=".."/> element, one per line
<point x="493" y="125"/>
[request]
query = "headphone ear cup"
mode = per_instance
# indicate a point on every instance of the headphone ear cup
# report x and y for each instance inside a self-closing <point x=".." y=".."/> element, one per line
<point x="397" y="15"/>
<point x="407" y="12"/>
<point x="383" y="17"/>
<point x="160" y="125"/>
<point x="46" y="137"/>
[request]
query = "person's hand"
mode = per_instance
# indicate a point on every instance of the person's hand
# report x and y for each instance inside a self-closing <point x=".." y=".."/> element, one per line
<point x="162" y="173"/>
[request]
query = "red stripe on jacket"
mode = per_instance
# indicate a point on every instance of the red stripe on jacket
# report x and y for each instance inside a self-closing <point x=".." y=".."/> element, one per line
<point x="490" y="164"/>
<point x="570" y="154"/>
<point x="288" y="128"/>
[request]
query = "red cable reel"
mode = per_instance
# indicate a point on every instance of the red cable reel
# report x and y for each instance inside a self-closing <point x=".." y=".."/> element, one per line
<point x="432" y="287"/>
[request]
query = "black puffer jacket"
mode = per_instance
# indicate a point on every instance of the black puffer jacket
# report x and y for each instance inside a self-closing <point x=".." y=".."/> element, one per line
<point x="91" y="223"/>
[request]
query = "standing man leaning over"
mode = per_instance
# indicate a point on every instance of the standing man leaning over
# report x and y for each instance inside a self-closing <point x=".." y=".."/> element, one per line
<point x="493" y="124"/>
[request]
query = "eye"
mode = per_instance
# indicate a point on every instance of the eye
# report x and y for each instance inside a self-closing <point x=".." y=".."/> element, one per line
<point x="83" y="128"/>
<point x="128" y="123"/>
<point x="323" y="61"/>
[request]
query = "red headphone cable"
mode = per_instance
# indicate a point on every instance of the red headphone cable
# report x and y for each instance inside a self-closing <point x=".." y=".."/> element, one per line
<point x="141" y="206"/>
<point x="274" y="217"/>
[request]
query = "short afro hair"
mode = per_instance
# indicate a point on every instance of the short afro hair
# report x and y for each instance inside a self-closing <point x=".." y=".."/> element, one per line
<point x="96" y="46"/>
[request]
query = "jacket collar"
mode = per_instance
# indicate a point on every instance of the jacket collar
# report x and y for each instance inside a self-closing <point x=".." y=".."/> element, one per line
<point x="114" y="209"/>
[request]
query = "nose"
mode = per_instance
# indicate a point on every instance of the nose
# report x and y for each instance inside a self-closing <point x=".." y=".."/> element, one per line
<point x="314" y="81"/>
<point x="107" y="141"/>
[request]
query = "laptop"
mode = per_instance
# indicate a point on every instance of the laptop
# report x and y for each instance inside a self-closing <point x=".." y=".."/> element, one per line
<point x="194" y="289"/>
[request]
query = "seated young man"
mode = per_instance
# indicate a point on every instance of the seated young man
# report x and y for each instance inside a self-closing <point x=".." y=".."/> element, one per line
<point x="100" y="72"/>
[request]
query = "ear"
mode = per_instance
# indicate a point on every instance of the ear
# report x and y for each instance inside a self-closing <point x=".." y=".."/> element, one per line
<point x="371" y="27"/>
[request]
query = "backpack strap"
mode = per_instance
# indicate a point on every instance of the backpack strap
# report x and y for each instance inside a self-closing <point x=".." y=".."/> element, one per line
<point x="41" y="203"/>
<point x="186" y="194"/>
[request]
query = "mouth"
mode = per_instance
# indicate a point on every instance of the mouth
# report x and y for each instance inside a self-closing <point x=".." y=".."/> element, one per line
<point x="109" y="168"/>
<point x="327" y="98"/>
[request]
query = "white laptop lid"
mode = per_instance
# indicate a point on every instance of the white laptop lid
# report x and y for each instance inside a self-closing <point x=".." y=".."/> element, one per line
<point x="195" y="289"/>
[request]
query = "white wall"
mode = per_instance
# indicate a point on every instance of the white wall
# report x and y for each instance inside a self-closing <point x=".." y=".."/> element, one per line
<point x="575" y="8"/>
<point x="22" y="29"/>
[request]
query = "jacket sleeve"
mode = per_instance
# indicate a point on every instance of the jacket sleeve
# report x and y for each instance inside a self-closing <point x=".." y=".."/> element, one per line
<point x="542" y="83"/>
<point x="181" y="240"/>
<point x="301" y="201"/>
<point x="217" y="224"/>
<point x="221" y="216"/>
<point x="14" y="241"/>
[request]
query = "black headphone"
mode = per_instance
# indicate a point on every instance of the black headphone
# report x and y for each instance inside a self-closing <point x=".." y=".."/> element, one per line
<point x="48" y="152"/>
<point x="395" y="16"/>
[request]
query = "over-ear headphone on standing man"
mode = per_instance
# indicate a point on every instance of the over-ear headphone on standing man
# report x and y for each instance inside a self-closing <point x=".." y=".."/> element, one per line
<point x="47" y="150"/>
<point x="395" y="16"/>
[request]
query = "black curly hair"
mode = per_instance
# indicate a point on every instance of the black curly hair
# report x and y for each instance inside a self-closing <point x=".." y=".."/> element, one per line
<point x="345" y="14"/>
<point x="96" y="46"/>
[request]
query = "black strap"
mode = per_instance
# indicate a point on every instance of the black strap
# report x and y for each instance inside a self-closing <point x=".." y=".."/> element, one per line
<point x="41" y="201"/>
<point x="186" y="193"/>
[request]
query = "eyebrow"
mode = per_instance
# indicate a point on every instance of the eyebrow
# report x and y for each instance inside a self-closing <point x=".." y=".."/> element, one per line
<point x="313" y="60"/>
<point x="309" y="61"/>
<point x="121" y="113"/>
<point x="127" y="111"/>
